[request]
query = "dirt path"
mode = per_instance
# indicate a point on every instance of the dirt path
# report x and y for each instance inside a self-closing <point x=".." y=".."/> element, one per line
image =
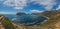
<point x="57" y="25"/>
<point x="18" y="26"/>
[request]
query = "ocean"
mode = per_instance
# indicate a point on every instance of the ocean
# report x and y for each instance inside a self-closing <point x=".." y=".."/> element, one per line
<point x="10" y="16"/>
<point x="27" y="19"/>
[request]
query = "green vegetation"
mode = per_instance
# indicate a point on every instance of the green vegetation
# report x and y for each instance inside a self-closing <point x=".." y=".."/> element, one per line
<point x="7" y="24"/>
<point x="20" y="13"/>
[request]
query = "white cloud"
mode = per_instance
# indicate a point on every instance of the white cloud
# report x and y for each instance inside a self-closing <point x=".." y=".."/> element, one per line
<point x="8" y="12"/>
<point x="1" y="0"/>
<point x="48" y="4"/>
<point x="36" y="11"/>
<point x="20" y="4"/>
<point x="16" y="4"/>
<point x="58" y="7"/>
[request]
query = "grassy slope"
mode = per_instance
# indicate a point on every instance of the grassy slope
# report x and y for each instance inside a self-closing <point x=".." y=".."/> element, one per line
<point x="7" y="24"/>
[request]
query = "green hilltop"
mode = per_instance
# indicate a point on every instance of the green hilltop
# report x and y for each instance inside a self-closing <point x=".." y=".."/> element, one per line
<point x="7" y="24"/>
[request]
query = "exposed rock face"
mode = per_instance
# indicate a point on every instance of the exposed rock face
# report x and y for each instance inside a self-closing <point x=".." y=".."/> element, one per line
<point x="1" y="26"/>
<point x="1" y="18"/>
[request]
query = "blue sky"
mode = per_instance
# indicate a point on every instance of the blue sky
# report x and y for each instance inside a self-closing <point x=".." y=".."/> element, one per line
<point x="28" y="6"/>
